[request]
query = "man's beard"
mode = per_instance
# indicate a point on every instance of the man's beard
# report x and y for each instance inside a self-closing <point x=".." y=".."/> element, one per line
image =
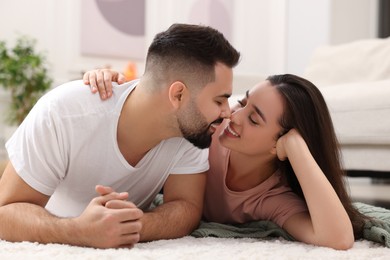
<point x="195" y="128"/>
<point x="201" y="140"/>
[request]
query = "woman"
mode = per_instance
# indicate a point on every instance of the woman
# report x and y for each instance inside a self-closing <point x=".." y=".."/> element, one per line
<point x="277" y="159"/>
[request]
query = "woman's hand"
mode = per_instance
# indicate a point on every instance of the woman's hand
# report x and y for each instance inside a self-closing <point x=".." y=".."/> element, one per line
<point x="286" y="141"/>
<point x="101" y="80"/>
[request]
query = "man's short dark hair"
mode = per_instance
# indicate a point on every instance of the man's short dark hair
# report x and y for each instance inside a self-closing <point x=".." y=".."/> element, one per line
<point x="189" y="53"/>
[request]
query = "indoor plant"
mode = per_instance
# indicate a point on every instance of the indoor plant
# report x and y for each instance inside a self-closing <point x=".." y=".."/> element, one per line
<point x="23" y="72"/>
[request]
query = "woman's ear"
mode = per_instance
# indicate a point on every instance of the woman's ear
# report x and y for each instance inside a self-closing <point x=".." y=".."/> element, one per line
<point x="176" y="93"/>
<point x="274" y="150"/>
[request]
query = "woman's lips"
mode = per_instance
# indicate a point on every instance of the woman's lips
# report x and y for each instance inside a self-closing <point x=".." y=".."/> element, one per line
<point x="229" y="131"/>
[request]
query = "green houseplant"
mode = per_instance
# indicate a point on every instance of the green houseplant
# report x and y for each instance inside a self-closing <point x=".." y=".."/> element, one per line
<point x="23" y="72"/>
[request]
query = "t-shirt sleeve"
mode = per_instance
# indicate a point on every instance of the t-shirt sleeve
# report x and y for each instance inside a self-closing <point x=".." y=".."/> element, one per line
<point x="37" y="149"/>
<point x="282" y="206"/>
<point x="192" y="160"/>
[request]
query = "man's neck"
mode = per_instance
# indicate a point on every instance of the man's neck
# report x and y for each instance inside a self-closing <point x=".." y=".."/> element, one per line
<point x="142" y="124"/>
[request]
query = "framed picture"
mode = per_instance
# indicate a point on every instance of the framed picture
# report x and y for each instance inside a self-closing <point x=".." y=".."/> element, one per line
<point x="113" y="28"/>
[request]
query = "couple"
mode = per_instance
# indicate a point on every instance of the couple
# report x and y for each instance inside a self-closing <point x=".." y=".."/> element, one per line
<point x="275" y="156"/>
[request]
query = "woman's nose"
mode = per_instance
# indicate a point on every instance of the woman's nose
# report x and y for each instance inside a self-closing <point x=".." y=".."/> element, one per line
<point x="235" y="116"/>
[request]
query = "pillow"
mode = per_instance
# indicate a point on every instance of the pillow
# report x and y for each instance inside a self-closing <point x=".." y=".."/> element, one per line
<point x="358" y="61"/>
<point x="360" y="111"/>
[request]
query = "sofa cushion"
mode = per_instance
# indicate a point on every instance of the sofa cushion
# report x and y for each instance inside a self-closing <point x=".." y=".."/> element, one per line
<point x="360" y="111"/>
<point x="358" y="61"/>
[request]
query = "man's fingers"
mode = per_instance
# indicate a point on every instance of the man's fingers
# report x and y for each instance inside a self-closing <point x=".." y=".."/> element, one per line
<point x="129" y="240"/>
<point x="119" y="204"/>
<point x="131" y="227"/>
<point x="102" y="200"/>
<point x="131" y="233"/>
<point x="128" y="216"/>
<point x="103" y="190"/>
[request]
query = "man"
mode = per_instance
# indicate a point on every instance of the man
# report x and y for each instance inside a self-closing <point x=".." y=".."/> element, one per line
<point x="71" y="141"/>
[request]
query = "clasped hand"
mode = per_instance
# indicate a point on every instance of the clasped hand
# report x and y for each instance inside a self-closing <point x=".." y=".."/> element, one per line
<point x="110" y="220"/>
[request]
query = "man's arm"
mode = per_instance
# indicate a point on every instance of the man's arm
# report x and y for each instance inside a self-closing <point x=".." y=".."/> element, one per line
<point x="23" y="218"/>
<point x="181" y="211"/>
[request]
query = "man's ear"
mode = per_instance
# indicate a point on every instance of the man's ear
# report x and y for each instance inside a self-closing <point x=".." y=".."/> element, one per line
<point x="176" y="93"/>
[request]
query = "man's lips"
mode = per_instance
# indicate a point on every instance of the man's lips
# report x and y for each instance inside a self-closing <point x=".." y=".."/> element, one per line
<point x="213" y="127"/>
<point x="229" y="131"/>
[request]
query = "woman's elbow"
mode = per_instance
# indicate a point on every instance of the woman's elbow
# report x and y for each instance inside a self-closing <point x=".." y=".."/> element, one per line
<point x="343" y="242"/>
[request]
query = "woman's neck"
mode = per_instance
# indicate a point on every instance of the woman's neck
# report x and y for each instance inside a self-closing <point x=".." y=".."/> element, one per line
<point x="245" y="172"/>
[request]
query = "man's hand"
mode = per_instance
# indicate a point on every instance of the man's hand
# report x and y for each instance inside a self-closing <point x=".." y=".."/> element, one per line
<point x="110" y="221"/>
<point x="101" y="80"/>
<point x="115" y="203"/>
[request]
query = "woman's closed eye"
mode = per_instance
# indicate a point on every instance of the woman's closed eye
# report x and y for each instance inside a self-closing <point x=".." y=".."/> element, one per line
<point x="254" y="122"/>
<point x="242" y="103"/>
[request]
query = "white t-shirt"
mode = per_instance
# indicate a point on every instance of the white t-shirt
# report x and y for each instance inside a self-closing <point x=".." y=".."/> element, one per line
<point x="68" y="144"/>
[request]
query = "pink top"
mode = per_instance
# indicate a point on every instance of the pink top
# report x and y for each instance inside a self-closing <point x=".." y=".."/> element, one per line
<point x="271" y="200"/>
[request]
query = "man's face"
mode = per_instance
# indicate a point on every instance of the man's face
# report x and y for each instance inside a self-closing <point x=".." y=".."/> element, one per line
<point x="205" y="111"/>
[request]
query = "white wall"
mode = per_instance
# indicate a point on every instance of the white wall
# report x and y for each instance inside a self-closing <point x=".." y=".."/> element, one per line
<point x="55" y="24"/>
<point x="324" y="22"/>
<point x="274" y="36"/>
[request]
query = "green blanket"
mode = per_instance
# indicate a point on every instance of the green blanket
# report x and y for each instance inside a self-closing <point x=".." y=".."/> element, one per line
<point x="376" y="230"/>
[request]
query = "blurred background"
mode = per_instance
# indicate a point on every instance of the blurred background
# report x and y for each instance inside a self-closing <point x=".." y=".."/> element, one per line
<point x="274" y="36"/>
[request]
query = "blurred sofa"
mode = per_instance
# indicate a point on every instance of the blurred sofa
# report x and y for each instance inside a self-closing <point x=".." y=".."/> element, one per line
<point x="355" y="81"/>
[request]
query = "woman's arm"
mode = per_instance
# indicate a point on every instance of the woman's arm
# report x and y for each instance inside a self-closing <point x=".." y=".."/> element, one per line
<point x="101" y="80"/>
<point x="327" y="223"/>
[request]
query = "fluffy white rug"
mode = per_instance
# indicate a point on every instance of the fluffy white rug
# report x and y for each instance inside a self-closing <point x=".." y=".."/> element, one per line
<point x="197" y="248"/>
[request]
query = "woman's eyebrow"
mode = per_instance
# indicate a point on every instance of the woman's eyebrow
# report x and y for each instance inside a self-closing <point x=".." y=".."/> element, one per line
<point x="258" y="111"/>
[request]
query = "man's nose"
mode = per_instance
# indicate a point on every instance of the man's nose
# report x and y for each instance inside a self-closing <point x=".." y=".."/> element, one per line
<point x="226" y="113"/>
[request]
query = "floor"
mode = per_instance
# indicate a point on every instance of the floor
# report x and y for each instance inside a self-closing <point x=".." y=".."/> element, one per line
<point x="371" y="191"/>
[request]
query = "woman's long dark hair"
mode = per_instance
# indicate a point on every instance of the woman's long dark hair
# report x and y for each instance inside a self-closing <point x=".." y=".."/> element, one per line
<point x="305" y="110"/>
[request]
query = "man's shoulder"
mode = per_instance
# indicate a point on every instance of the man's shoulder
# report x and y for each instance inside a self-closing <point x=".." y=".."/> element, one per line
<point x="73" y="98"/>
<point x="71" y="89"/>
<point x="77" y="89"/>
